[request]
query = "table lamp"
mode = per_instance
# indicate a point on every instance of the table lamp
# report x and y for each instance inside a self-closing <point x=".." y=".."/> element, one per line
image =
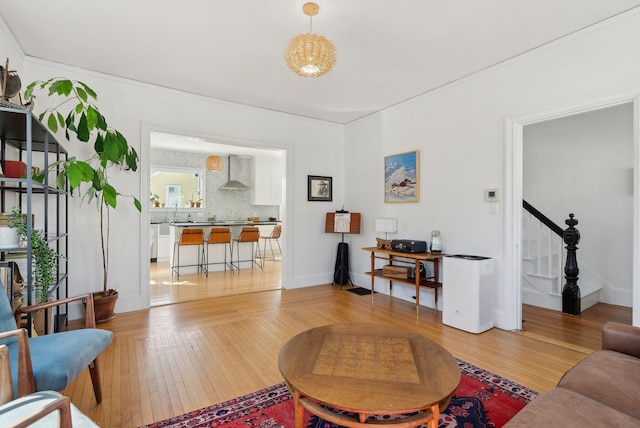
<point x="386" y="225"/>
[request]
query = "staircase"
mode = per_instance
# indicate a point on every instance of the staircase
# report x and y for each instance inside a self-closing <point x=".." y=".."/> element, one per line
<point x="543" y="259"/>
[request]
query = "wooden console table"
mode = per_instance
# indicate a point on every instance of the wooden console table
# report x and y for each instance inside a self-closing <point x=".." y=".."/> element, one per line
<point x="407" y="259"/>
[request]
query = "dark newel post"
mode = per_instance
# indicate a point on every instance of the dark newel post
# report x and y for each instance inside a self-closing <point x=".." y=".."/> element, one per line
<point x="571" y="291"/>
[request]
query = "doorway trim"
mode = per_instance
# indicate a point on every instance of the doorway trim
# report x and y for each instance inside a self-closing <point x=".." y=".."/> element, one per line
<point x="145" y="163"/>
<point x="514" y="126"/>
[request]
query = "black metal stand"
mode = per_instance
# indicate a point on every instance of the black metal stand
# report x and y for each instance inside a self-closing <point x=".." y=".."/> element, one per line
<point x="341" y="271"/>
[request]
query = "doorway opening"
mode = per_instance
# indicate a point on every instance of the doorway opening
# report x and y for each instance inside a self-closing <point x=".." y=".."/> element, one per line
<point x="583" y="165"/>
<point x="514" y="139"/>
<point x="211" y="204"/>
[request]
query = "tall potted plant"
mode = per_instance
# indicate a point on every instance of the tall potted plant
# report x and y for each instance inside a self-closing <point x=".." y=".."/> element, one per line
<point x="81" y="120"/>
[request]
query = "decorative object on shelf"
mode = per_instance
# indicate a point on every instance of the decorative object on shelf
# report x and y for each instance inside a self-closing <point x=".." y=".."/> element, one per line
<point x="383" y="243"/>
<point x="45" y="258"/>
<point x="436" y="242"/>
<point x="401" y="272"/>
<point x="155" y="199"/>
<point x="10" y="81"/>
<point x="14" y="169"/>
<point x="9" y="235"/>
<point x="196" y="200"/>
<point x="319" y="188"/>
<point x="409" y="246"/>
<point x="310" y="55"/>
<point x="402" y="177"/>
<point x="386" y="225"/>
<point x="111" y="151"/>
<point x="214" y="163"/>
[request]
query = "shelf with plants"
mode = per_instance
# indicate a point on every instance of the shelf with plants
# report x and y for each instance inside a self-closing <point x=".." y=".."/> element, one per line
<point x="25" y="139"/>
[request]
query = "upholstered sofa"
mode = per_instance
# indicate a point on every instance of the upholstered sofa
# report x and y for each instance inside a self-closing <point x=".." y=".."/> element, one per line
<point x="602" y="390"/>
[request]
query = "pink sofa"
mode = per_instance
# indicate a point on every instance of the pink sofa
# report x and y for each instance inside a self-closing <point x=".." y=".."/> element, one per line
<point x="602" y="390"/>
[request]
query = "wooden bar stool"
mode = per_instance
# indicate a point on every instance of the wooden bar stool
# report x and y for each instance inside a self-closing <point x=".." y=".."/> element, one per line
<point x="188" y="237"/>
<point x="250" y="235"/>
<point x="275" y="236"/>
<point x="219" y="235"/>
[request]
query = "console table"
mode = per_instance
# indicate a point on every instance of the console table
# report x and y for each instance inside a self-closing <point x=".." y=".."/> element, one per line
<point x="407" y="259"/>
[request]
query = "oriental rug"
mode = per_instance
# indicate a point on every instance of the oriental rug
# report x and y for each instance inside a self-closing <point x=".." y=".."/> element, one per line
<point x="482" y="400"/>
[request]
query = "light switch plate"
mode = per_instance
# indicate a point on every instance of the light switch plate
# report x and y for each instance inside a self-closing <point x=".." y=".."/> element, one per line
<point x="491" y="195"/>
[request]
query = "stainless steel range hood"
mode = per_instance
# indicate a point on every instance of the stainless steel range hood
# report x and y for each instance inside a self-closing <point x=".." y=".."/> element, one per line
<point x="233" y="184"/>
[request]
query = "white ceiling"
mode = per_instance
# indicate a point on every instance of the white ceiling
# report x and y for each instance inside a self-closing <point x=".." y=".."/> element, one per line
<point x="388" y="51"/>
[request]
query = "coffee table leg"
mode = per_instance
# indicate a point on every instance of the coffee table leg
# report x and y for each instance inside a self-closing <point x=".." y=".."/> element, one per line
<point x="298" y="410"/>
<point x="433" y="422"/>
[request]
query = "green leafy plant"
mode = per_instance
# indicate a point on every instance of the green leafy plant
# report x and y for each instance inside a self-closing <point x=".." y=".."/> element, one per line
<point x="83" y="121"/>
<point x="45" y="258"/>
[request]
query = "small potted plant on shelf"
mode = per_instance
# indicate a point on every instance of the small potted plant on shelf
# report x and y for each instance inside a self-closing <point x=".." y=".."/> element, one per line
<point x="155" y="200"/>
<point x="45" y="263"/>
<point x="89" y="178"/>
<point x="196" y="199"/>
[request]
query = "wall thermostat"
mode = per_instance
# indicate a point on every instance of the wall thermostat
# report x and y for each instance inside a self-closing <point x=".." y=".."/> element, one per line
<point x="491" y="195"/>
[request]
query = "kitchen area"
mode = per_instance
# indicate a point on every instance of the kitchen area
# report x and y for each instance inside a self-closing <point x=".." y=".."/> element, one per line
<point x="204" y="185"/>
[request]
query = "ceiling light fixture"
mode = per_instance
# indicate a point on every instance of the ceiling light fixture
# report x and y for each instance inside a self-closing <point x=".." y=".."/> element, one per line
<point x="310" y="55"/>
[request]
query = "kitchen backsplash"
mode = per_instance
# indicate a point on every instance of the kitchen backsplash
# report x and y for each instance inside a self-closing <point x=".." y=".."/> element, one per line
<point x="224" y="204"/>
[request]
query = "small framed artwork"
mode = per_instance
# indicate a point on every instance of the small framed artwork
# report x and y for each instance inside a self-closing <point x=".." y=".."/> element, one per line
<point x="402" y="177"/>
<point x="319" y="188"/>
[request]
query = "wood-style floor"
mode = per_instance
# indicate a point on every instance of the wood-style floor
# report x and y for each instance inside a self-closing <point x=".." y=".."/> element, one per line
<point x="165" y="288"/>
<point x="172" y="359"/>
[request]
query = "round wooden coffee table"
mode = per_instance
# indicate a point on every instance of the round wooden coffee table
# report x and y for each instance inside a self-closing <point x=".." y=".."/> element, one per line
<point x="369" y="370"/>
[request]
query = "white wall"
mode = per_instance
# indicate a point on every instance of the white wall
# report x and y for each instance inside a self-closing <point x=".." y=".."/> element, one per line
<point x="583" y="164"/>
<point x="135" y="109"/>
<point x="11" y="50"/>
<point x="460" y="131"/>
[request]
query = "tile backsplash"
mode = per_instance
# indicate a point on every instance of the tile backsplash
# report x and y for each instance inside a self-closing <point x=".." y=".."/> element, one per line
<point x="223" y="204"/>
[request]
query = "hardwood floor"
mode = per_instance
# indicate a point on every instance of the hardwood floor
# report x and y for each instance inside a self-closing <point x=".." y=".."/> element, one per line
<point x="165" y="288"/>
<point x="172" y="359"/>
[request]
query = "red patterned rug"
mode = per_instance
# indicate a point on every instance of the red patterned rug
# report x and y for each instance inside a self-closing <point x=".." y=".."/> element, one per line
<point x="483" y="399"/>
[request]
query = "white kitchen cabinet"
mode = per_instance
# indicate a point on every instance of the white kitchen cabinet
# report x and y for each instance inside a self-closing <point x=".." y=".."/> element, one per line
<point x="163" y="242"/>
<point x="267" y="189"/>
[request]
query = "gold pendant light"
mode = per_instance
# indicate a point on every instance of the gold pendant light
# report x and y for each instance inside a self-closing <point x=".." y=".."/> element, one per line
<point x="310" y="55"/>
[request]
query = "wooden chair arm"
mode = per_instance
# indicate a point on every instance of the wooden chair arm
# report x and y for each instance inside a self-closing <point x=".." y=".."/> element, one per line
<point x="63" y="404"/>
<point x="26" y="382"/>
<point x="90" y="319"/>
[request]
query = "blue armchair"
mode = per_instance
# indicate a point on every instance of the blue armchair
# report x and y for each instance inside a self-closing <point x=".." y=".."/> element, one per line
<point x="52" y="361"/>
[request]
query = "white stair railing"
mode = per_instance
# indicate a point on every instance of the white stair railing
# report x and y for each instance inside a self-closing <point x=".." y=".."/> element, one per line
<point x="544" y="248"/>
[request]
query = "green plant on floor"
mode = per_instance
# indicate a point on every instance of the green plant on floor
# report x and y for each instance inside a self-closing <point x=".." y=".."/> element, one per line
<point x="89" y="178"/>
<point x="45" y="258"/>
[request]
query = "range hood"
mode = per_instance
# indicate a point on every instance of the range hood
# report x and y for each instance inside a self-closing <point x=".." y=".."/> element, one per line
<point x="233" y="184"/>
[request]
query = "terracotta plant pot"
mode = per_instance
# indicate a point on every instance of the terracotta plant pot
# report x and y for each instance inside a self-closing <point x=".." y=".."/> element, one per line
<point x="15" y="169"/>
<point x="198" y="204"/>
<point x="104" y="306"/>
<point x="156" y="204"/>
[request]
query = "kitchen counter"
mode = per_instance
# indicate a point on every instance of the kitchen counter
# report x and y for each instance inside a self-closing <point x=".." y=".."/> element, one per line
<point x="224" y="223"/>
<point x="191" y="256"/>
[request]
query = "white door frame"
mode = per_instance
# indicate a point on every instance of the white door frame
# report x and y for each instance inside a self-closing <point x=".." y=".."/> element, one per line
<point x="144" y="297"/>
<point x="513" y="193"/>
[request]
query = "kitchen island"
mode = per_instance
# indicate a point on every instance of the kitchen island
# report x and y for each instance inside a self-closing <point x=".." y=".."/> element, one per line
<point x="189" y="255"/>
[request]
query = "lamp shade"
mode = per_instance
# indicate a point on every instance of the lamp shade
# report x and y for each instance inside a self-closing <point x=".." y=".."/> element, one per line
<point x="387" y="225"/>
